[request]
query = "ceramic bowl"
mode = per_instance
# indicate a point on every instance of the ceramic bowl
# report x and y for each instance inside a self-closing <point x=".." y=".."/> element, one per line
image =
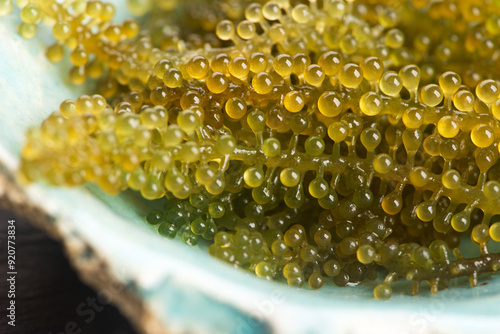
<point x="182" y="289"/>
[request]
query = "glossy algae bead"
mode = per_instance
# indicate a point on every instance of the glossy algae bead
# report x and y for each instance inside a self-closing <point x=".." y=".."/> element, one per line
<point x="482" y="135"/>
<point x="461" y="221"/>
<point x="225" y="144"/>
<point x="351" y="75"/>
<point x="410" y="75"/>
<point x="419" y="176"/>
<point x="491" y="189"/>
<point x="448" y="127"/>
<point x="451" y="179"/>
<point x="370" y="138"/>
<point x="217" y="82"/>
<point x="314" y="75"/>
<point x="494" y="232"/>
<point x="271" y="147"/>
<point x="314" y="145"/>
<point x="480" y="233"/>
<point x="254" y="176"/>
<point x="370" y="104"/>
<point x="283" y="65"/>
<point x="331" y="62"/>
<point x="382" y="291"/>
<point x="172" y="78"/>
<point x="338" y="131"/>
<point x="390" y="83"/>
<point x="246" y="29"/>
<point x="256" y="120"/>
<point x="318" y="188"/>
<point x="487" y="91"/>
<point x="382" y="163"/>
<point x="290" y="177"/>
<point x="236" y="108"/>
<point x="365" y="254"/>
<point x="225" y="30"/>
<point x="330" y="104"/>
<point x="294" y="101"/>
<point x="262" y="83"/>
<point x="413" y="118"/>
<point x="431" y="95"/>
<point x="450" y="83"/>
<point x="372" y="68"/>
<point x="464" y="100"/>
<point x="257" y="62"/>
<point x="239" y="67"/>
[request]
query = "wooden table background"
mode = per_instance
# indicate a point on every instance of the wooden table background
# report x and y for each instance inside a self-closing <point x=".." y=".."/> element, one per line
<point x="48" y="291"/>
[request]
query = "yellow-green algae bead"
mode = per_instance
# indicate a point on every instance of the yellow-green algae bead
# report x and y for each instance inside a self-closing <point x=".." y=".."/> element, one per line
<point x="256" y="120"/>
<point x="413" y="118"/>
<point x="372" y="68"/>
<point x="394" y="38"/>
<point x="495" y="109"/>
<point x="253" y="12"/>
<point x="491" y="189"/>
<point x="451" y="179"/>
<point x="338" y="131"/>
<point x="239" y="67"/>
<point x="172" y="78"/>
<point x="448" y="127"/>
<point x="5" y="7"/>
<point x="450" y="83"/>
<point x="331" y="62"/>
<point x="188" y="121"/>
<point x="205" y="175"/>
<point x="464" y="100"/>
<point x="271" y="11"/>
<point x="61" y="31"/>
<point x="262" y="83"/>
<point x="217" y="82"/>
<point x="225" y="144"/>
<point x="431" y="95"/>
<point x="236" y="108"/>
<point x="318" y="187"/>
<point x="246" y="29"/>
<point x="480" y="233"/>
<point x="28" y="30"/>
<point x="225" y="30"/>
<point x="495" y="232"/>
<point x="290" y="177"/>
<point x="254" y="176"/>
<point x="283" y="64"/>
<point x="257" y="62"/>
<point x="461" y="221"/>
<point x="482" y="135"/>
<point x="370" y="138"/>
<point x="419" y="176"/>
<point x="410" y="74"/>
<point x="487" y="91"/>
<point x="370" y="104"/>
<point x="314" y="145"/>
<point x="302" y="14"/>
<point x="294" y="101"/>
<point x="198" y="67"/>
<point x="351" y="75"/>
<point x="264" y="270"/>
<point x="390" y="83"/>
<point x="382" y="291"/>
<point x="330" y="104"/>
<point x="383" y="163"/>
<point x="68" y="108"/>
<point x="271" y="147"/>
<point x="366" y="254"/>
<point x="31" y="13"/>
<point x="277" y="33"/>
<point x="314" y="75"/>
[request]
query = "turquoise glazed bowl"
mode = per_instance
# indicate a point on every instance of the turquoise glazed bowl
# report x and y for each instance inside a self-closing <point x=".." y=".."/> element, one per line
<point x="182" y="289"/>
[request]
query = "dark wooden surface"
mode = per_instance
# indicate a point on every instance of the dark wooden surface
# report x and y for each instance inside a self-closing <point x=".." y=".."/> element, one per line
<point x="49" y="297"/>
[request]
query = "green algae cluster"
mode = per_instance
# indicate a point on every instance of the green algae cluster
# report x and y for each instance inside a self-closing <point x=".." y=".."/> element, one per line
<point x="308" y="141"/>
